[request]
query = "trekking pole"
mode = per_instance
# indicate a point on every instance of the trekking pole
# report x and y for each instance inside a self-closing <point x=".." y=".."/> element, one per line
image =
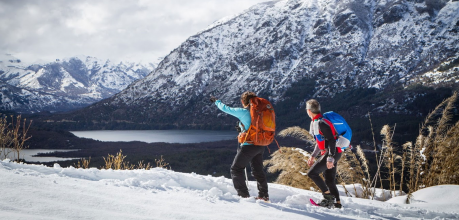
<point x="246" y="178"/>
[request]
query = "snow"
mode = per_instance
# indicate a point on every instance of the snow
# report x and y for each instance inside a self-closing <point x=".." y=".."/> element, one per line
<point x="40" y="192"/>
<point x="443" y="196"/>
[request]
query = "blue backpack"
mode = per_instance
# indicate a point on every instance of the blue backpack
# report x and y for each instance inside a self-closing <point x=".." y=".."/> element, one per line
<point x="341" y="126"/>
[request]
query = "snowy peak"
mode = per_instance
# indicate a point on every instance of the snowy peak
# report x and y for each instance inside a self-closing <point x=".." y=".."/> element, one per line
<point x="83" y="80"/>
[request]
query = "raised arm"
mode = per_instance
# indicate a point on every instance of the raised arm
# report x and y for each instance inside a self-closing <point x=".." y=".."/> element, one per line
<point x="241" y="113"/>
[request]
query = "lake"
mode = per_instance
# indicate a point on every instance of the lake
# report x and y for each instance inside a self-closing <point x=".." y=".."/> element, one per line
<point x="29" y="155"/>
<point x="151" y="136"/>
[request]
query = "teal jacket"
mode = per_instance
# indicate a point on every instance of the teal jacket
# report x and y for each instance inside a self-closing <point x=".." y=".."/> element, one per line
<point x="241" y="113"/>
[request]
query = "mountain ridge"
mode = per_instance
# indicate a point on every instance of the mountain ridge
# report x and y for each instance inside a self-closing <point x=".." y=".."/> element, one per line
<point x="69" y="83"/>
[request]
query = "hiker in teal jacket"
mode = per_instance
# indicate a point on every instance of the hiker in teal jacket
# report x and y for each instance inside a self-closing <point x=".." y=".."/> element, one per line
<point x="242" y="114"/>
<point x="246" y="153"/>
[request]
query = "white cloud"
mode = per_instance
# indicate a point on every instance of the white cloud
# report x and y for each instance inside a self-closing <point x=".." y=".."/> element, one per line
<point x="141" y="30"/>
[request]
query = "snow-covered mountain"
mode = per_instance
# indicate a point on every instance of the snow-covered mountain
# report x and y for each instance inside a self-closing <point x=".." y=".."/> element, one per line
<point x="39" y="192"/>
<point x="339" y="45"/>
<point x="64" y="84"/>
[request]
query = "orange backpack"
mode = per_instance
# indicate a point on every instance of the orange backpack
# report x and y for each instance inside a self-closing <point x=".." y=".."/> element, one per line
<point x="263" y="126"/>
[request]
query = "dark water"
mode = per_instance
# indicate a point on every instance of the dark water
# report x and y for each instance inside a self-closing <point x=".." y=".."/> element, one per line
<point x="151" y="136"/>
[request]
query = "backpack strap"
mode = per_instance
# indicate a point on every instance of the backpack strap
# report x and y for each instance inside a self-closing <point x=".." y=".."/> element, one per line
<point x="330" y="124"/>
<point x="247" y="134"/>
<point x="243" y="127"/>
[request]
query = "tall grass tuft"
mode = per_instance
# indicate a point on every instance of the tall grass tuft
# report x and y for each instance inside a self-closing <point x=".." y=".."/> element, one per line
<point x="366" y="184"/>
<point x="441" y="159"/>
<point x="349" y="171"/>
<point x="142" y="165"/>
<point x="161" y="163"/>
<point x="297" y="132"/>
<point x="389" y="158"/>
<point x="406" y="146"/>
<point x="115" y="162"/>
<point x="292" y="165"/>
<point x="83" y="163"/>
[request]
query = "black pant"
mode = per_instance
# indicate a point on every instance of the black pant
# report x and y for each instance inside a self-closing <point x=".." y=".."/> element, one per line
<point x="320" y="166"/>
<point x="254" y="155"/>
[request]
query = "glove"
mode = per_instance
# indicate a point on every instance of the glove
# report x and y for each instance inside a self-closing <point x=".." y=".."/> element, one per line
<point x="311" y="161"/>
<point x="213" y="99"/>
<point x="238" y="129"/>
<point x="330" y="159"/>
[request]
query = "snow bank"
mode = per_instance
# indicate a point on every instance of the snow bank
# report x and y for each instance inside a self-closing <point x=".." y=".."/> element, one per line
<point x="435" y="198"/>
<point x="39" y="192"/>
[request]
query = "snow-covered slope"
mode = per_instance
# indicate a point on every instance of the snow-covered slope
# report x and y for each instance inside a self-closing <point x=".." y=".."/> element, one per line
<point x="14" y="98"/>
<point x="339" y="44"/>
<point x="39" y="192"/>
<point x="72" y="82"/>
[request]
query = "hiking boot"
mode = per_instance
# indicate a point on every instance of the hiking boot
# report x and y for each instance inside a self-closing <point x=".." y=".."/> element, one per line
<point x="328" y="201"/>
<point x="338" y="205"/>
<point x="263" y="198"/>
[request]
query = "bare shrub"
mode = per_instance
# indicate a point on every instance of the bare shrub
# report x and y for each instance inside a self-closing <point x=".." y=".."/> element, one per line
<point x="19" y="136"/>
<point x="5" y="137"/>
<point x="13" y="136"/>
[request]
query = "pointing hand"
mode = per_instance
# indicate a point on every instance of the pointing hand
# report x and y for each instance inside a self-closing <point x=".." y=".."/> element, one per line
<point x="213" y="99"/>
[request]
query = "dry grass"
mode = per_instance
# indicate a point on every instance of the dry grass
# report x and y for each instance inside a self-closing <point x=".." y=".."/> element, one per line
<point x="83" y="163"/>
<point x="441" y="151"/>
<point x="366" y="183"/>
<point x="161" y="163"/>
<point x="433" y="159"/>
<point x="142" y="165"/>
<point x="298" y="133"/>
<point x="389" y="158"/>
<point x="117" y="162"/>
<point x="406" y="146"/>
<point x="349" y="171"/>
<point x="292" y="165"/>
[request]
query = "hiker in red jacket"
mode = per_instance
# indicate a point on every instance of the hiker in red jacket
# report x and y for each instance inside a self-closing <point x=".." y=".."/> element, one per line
<point x="325" y="136"/>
